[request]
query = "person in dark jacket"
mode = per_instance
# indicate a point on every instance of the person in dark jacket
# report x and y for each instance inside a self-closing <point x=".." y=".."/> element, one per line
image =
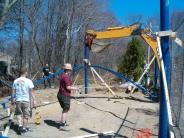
<point x="46" y="73"/>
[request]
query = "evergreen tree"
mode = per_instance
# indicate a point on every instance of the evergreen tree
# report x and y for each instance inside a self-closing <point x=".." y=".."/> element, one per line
<point x="131" y="64"/>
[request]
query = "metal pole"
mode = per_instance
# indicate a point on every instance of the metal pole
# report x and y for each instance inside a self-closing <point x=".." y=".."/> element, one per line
<point x="181" y="112"/>
<point x="164" y="26"/>
<point x="86" y="55"/>
<point x="148" y="55"/>
<point x="156" y="76"/>
<point x="102" y="81"/>
<point x="145" y="71"/>
<point x="166" y="92"/>
<point x="104" y="134"/>
<point x="93" y="76"/>
<point x="5" y="133"/>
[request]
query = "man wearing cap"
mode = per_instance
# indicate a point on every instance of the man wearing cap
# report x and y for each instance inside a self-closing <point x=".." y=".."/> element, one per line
<point x="64" y="93"/>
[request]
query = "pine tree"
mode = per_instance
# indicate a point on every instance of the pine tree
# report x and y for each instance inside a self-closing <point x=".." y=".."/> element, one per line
<point x="131" y="64"/>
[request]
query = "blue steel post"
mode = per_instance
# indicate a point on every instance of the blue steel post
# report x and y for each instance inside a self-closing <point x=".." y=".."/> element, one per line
<point x="164" y="25"/>
<point x="86" y="55"/>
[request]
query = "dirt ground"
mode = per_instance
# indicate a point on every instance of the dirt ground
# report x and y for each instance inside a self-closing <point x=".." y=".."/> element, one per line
<point x="126" y="116"/>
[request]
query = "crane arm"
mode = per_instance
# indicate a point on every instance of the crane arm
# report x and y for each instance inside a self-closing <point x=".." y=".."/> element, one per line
<point x="153" y="44"/>
<point x="114" y="32"/>
<point x="120" y="32"/>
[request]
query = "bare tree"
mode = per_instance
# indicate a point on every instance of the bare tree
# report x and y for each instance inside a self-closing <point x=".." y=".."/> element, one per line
<point x="52" y="31"/>
<point x="5" y="7"/>
<point x="32" y="25"/>
<point x="68" y="35"/>
<point x="21" y="33"/>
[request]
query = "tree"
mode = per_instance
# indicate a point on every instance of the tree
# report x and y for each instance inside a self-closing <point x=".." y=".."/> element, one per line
<point x="5" y="6"/>
<point x="132" y="62"/>
<point x="21" y="34"/>
<point x="52" y="31"/>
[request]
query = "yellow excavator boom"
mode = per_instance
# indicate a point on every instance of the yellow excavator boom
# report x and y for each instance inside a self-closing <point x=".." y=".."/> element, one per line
<point x="114" y="32"/>
<point x="119" y="32"/>
<point x="153" y="44"/>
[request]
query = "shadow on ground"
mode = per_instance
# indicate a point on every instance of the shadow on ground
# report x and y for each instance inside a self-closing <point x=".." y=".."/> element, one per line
<point x="52" y="123"/>
<point x="137" y="99"/>
<point x="14" y="127"/>
<point x="147" y="112"/>
<point x="107" y="112"/>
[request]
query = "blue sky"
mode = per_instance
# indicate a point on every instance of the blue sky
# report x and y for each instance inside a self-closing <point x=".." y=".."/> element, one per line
<point x="123" y="8"/>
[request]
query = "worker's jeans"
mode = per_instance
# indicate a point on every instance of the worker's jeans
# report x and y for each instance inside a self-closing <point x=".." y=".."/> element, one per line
<point x="48" y="81"/>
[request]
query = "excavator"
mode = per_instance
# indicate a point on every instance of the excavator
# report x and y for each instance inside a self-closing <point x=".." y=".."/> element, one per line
<point x="154" y="43"/>
<point x="120" y="32"/>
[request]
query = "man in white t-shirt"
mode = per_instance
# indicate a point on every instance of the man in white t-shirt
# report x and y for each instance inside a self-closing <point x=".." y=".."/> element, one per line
<point x="23" y="91"/>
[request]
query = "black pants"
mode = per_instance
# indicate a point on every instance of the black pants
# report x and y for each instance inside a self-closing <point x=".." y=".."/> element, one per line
<point x="64" y="102"/>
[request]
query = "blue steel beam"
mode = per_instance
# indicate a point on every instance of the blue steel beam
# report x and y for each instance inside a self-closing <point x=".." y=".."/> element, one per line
<point x="39" y="81"/>
<point x="164" y="26"/>
<point x="119" y="75"/>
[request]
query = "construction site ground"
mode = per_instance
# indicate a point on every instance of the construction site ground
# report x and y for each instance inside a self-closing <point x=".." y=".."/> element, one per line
<point x="126" y="116"/>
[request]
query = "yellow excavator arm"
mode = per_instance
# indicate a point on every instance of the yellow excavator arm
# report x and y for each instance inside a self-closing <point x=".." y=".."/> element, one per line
<point x="119" y="32"/>
<point x="115" y="32"/>
<point x="153" y="44"/>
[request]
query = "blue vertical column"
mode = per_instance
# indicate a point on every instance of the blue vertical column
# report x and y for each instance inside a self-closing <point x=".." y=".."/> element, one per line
<point x="164" y="26"/>
<point x="86" y="55"/>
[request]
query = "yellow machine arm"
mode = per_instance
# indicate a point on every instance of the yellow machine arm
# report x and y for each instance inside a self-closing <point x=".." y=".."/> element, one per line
<point x="118" y="32"/>
<point x="115" y="32"/>
<point x="153" y="44"/>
